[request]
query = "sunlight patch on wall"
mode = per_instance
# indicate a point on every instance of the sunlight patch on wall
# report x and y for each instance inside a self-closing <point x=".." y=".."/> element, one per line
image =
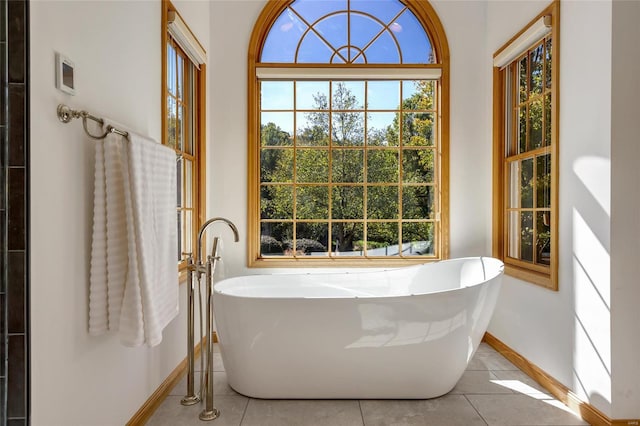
<point x="595" y="174"/>
<point x="591" y="259"/>
<point x="592" y="321"/>
<point x="591" y="375"/>
<point x="592" y="315"/>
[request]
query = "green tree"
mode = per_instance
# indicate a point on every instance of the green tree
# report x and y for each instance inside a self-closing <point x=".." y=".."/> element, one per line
<point x="272" y="160"/>
<point x="418" y="156"/>
<point x="312" y="166"/>
<point x="316" y="133"/>
<point x="348" y="159"/>
<point x="276" y="165"/>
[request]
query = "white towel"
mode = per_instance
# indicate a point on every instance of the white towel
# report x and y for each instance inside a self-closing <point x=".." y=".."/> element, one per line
<point x="109" y="257"/>
<point x="153" y="186"/>
<point x="134" y="240"/>
<point x="117" y="234"/>
<point x="98" y="306"/>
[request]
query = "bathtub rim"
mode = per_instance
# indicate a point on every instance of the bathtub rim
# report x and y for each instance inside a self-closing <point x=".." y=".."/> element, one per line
<point x="498" y="273"/>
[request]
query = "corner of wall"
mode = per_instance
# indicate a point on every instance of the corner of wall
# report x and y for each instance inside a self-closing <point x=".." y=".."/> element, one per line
<point x="625" y="204"/>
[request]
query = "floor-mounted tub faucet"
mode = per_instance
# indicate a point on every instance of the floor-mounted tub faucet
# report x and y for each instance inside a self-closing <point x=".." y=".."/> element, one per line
<point x="200" y="267"/>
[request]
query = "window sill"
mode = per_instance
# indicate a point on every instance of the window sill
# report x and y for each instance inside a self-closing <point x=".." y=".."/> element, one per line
<point x="338" y="263"/>
<point x="538" y="278"/>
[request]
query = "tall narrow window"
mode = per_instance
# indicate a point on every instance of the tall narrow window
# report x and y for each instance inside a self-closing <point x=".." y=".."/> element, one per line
<point x="525" y="151"/>
<point x="348" y="157"/>
<point x="183" y="118"/>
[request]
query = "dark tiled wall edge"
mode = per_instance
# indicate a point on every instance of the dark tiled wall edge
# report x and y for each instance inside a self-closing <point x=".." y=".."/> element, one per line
<point x="3" y="222"/>
<point x="3" y="248"/>
<point x="14" y="212"/>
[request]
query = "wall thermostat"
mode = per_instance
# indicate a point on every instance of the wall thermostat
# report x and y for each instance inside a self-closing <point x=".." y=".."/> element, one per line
<point x="64" y="74"/>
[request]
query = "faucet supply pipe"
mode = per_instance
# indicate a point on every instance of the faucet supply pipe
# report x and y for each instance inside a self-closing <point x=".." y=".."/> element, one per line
<point x="207" y="268"/>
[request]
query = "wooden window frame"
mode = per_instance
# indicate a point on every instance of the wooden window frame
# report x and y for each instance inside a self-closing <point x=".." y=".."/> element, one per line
<point x="199" y="131"/>
<point x="432" y="25"/>
<point x="544" y="276"/>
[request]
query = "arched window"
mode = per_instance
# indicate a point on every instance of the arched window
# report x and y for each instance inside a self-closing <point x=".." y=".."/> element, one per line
<point x="348" y="133"/>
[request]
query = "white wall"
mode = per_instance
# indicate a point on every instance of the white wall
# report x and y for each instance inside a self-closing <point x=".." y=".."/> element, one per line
<point x="470" y="144"/>
<point x="568" y="333"/>
<point x="470" y="141"/>
<point x="227" y="151"/>
<point x="625" y="210"/>
<point x="78" y="379"/>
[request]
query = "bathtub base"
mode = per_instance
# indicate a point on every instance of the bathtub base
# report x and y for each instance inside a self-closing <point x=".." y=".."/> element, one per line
<point x="348" y="380"/>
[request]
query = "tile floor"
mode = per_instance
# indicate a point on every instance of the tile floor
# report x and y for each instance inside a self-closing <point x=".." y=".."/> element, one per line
<point x="491" y="392"/>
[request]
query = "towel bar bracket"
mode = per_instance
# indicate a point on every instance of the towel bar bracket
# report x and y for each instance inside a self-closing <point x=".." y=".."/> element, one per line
<point x="66" y="114"/>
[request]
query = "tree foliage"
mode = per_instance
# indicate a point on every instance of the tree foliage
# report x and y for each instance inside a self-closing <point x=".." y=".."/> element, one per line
<point x="376" y="164"/>
<point x="533" y="172"/>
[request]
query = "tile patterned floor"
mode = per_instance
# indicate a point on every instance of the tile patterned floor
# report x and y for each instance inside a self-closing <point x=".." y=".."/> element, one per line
<point x="491" y="392"/>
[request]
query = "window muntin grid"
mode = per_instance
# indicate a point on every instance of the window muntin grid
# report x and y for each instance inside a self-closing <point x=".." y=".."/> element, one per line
<point x="181" y="136"/>
<point x="349" y="168"/>
<point x="528" y="159"/>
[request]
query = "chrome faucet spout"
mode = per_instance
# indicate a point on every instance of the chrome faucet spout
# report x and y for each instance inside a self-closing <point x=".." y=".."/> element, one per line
<point x="204" y="227"/>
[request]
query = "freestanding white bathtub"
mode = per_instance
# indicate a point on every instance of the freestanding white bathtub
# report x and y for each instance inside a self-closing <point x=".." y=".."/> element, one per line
<point x="405" y="333"/>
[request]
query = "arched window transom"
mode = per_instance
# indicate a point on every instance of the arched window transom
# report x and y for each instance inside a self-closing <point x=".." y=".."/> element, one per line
<point x="347" y="32"/>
